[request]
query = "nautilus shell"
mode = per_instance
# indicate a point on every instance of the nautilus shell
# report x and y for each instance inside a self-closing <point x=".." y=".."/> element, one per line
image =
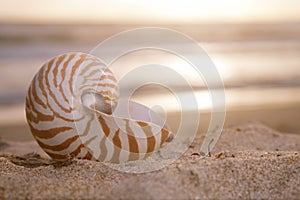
<point x="70" y="107"/>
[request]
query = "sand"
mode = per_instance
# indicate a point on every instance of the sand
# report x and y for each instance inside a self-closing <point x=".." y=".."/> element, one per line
<point x="250" y="161"/>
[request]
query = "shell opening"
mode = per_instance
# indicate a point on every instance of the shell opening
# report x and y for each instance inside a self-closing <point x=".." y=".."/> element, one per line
<point x="95" y="102"/>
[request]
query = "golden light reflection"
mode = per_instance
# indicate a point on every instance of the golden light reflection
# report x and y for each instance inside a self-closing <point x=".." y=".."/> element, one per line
<point x="235" y="99"/>
<point x="154" y="11"/>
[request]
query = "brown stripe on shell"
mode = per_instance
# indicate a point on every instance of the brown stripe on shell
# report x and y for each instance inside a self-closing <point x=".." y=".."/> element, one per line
<point x="110" y="77"/>
<point x="93" y="72"/>
<point x="89" y="66"/>
<point x="73" y="70"/>
<point x="40" y="116"/>
<point x="48" y="133"/>
<point x="88" y="127"/>
<point x="103" y="149"/>
<point x="115" y="100"/>
<point x="117" y="147"/>
<point x="88" y="156"/>
<point x="116" y="156"/>
<point x="40" y="76"/>
<point x="142" y="124"/>
<point x="35" y="95"/>
<point x="67" y="156"/>
<point x="90" y="140"/>
<point x="65" y="67"/>
<point x="110" y="85"/>
<point x="52" y="95"/>
<point x="59" y="147"/>
<point x="104" y="126"/>
<point x="116" y="139"/>
<point x="132" y="143"/>
<point x="55" y="70"/>
<point x="63" y="75"/>
<point x="77" y="150"/>
<point x="107" y="70"/>
<point x="151" y="140"/>
<point x="164" y="136"/>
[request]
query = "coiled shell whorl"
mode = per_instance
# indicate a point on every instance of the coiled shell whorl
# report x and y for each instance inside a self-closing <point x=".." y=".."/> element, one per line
<point x="69" y="106"/>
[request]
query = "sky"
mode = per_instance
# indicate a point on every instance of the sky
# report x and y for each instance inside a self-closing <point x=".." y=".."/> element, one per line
<point x="148" y="11"/>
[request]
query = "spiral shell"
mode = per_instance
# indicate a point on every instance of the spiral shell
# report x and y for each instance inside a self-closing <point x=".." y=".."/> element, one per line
<point x="69" y="107"/>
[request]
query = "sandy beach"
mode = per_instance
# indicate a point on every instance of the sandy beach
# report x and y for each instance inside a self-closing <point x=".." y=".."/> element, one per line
<point x="250" y="161"/>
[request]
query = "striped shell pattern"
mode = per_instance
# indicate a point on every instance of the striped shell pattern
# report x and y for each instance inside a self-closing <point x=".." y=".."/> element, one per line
<point x="69" y="109"/>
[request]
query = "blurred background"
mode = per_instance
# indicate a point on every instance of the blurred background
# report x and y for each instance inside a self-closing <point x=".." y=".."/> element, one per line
<point x="255" y="44"/>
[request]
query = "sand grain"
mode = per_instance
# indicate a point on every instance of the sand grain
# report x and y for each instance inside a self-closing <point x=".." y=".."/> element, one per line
<point x="265" y="167"/>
